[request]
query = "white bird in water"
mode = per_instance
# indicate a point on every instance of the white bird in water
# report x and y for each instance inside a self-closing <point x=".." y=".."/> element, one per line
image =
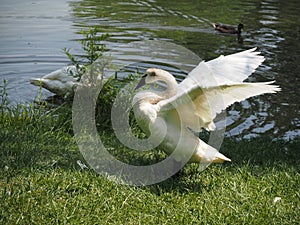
<point x="60" y="82"/>
<point x="185" y="108"/>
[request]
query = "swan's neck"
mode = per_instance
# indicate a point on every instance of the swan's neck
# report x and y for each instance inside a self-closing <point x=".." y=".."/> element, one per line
<point x="172" y="86"/>
<point x="145" y="102"/>
<point x="153" y="97"/>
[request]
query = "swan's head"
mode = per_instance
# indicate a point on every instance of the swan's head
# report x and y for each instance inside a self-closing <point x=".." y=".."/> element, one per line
<point x="153" y="75"/>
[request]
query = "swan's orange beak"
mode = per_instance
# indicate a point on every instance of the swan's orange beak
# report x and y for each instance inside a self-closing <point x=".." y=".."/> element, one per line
<point x="142" y="82"/>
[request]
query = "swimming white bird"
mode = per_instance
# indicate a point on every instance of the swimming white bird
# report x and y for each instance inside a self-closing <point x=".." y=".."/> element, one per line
<point x="60" y="82"/>
<point x="185" y="108"/>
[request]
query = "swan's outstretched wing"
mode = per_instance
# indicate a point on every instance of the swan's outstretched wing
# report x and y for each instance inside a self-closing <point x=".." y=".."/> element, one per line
<point x="205" y="103"/>
<point x="235" y="67"/>
<point x="223" y="70"/>
<point x="214" y="85"/>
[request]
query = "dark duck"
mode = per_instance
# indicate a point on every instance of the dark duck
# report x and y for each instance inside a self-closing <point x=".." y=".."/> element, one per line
<point x="228" y="29"/>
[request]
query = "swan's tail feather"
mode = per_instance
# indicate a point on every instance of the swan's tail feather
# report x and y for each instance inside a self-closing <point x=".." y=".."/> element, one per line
<point x="208" y="154"/>
<point x="220" y="158"/>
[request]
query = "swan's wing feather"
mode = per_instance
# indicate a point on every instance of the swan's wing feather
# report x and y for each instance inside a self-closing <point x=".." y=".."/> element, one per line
<point x="236" y="67"/>
<point x="219" y="98"/>
<point x="206" y="103"/>
<point x="223" y="70"/>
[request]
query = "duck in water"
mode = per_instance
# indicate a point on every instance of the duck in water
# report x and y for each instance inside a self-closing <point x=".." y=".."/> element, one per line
<point x="228" y="29"/>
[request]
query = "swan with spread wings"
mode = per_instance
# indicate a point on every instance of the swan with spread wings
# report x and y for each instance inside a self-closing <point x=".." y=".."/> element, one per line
<point x="181" y="110"/>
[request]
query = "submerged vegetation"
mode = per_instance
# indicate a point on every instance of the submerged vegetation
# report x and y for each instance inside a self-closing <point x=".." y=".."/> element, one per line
<point x="45" y="180"/>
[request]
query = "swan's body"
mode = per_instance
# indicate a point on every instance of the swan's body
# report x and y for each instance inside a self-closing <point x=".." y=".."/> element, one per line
<point x="192" y="105"/>
<point x="60" y="82"/>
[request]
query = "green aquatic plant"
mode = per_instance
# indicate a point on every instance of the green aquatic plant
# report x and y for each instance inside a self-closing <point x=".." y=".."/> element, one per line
<point x="90" y="67"/>
<point x="94" y="47"/>
<point x="92" y="44"/>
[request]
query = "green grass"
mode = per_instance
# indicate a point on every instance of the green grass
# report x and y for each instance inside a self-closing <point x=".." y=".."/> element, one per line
<point x="41" y="183"/>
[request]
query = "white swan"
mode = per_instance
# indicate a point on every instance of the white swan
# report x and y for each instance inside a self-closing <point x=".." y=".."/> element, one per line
<point x="60" y="82"/>
<point x="188" y="107"/>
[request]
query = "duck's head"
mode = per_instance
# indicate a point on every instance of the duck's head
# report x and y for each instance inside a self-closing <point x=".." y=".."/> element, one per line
<point x="240" y="26"/>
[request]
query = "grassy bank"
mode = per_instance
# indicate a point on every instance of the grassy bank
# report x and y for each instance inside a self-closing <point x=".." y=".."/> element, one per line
<point x="42" y="183"/>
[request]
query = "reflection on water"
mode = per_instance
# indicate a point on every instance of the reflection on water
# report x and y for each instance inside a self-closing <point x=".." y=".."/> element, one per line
<point x="34" y="33"/>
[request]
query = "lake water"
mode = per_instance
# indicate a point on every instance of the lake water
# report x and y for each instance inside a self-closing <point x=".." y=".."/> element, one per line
<point x="33" y="34"/>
